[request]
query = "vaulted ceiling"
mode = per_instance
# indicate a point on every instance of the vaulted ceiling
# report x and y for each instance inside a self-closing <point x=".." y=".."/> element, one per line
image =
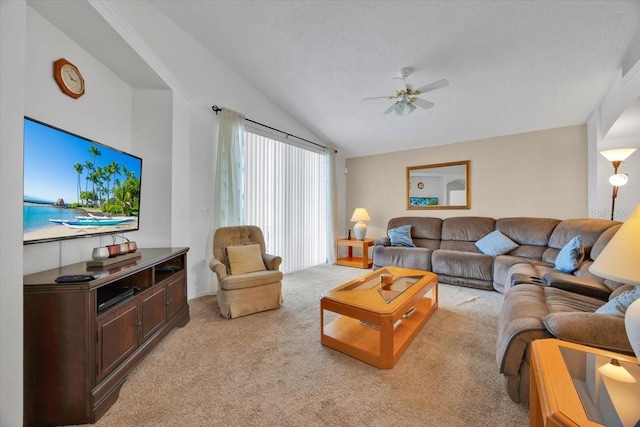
<point x="513" y="66"/>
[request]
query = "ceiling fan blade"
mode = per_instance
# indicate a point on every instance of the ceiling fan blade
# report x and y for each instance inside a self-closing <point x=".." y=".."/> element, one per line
<point x="423" y="103"/>
<point x="380" y="97"/>
<point x="433" y="86"/>
<point x="390" y="109"/>
<point x="404" y="82"/>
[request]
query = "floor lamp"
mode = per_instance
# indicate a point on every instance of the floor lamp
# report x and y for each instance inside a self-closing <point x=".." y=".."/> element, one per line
<point x="616" y="157"/>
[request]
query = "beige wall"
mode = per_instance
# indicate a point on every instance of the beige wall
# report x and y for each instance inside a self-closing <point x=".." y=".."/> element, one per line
<point x="538" y="174"/>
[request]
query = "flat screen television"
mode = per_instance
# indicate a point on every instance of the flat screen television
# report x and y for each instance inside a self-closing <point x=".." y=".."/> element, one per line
<point x="75" y="187"/>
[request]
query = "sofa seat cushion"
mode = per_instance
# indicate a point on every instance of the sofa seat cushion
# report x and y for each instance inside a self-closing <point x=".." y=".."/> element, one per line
<point x="462" y="264"/>
<point x="417" y="258"/>
<point x="561" y="301"/>
<point x="250" y="280"/>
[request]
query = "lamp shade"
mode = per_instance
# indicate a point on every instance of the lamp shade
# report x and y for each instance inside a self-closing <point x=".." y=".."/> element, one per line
<point x="360" y="214"/>
<point x="618" y="154"/>
<point x="616" y="371"/>
<point x="619" y="262"/>
<point x="619" y="179"/>
<point x="619" y="259"/>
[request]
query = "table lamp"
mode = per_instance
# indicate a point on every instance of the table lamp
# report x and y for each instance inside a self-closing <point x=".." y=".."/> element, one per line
<point x="360" y="229"/>
<point x="619" y="262"/>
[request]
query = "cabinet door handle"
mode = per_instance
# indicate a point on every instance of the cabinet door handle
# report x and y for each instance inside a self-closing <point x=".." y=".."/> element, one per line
<point x="138" y="323"/>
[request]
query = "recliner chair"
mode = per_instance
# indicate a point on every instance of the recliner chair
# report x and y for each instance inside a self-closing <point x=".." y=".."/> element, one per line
<point x="249" y="280"/>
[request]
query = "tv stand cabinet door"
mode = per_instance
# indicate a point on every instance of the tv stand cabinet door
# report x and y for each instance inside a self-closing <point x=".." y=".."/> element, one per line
<point x="176" y="294"/>
<point x="152" y="311"/>
<point x="117" y="337"/>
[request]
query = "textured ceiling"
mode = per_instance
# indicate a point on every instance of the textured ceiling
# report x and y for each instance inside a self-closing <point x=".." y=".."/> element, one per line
<point x="513" y="66"/>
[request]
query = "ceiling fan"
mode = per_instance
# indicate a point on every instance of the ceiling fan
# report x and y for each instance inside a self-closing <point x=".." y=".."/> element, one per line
<point x="406" y="100"/>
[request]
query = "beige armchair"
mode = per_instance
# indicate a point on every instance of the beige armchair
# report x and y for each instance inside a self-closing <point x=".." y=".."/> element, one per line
<point x="248" y="278"/>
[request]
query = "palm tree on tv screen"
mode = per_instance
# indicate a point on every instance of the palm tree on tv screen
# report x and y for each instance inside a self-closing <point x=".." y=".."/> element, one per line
<point x="96" y="152"/>
<point x="79" y="167"/>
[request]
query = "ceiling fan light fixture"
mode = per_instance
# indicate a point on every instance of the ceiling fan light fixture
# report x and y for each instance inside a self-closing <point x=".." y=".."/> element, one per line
<point x="407" y="102"/>
<point x="404" y="107"/>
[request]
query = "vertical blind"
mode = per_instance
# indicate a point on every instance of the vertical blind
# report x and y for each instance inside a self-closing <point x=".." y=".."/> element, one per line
<point x="284" y="196"/>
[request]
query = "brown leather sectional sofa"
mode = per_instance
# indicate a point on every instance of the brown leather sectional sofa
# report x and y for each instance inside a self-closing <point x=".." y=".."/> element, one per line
<point x="562" y="306"/>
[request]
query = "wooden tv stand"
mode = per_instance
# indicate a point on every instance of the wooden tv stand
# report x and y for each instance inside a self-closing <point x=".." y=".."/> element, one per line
<point x="76" y="358"/>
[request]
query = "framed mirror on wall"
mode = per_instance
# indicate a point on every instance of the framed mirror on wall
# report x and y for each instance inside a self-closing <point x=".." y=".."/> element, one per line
<point x="439" y="186"/>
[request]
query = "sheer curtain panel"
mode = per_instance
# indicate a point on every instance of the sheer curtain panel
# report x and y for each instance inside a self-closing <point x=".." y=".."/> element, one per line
<point x="230" y="171"/>
<point x="331" y="203"/>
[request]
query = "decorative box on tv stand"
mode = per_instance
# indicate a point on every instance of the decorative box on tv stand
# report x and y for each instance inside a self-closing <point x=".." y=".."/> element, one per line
<point x="112" y="261"/>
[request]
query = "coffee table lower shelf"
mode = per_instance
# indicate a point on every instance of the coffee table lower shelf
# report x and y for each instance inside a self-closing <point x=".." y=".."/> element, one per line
<point x="381" y="346"/>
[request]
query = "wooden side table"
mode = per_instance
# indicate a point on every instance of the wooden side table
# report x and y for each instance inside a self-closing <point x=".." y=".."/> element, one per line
<point x="351" y="261"/>
<point x="568" y="387"/>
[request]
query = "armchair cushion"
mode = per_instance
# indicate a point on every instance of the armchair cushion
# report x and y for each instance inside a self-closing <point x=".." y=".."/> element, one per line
<point x="245" y="259"/>
<point x="256" y="279"/>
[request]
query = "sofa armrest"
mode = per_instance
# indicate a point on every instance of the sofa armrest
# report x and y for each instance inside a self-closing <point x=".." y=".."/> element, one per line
<point x="219" y="268"/>
<point x="578" y="285"/>
<point x="272" y="262"/>
<point x="383" y="241"/>
<point x="591" y="329"/>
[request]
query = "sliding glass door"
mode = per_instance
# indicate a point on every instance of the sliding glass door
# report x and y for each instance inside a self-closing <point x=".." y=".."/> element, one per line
<point x="285" y="197"/>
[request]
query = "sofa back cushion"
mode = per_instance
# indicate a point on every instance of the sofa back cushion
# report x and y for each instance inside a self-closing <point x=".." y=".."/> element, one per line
<point x="531" y="234"/>
<point x="597" y="248"/>
<point x="461" y="233"/>
<point x="425" y="231"/>
<point x="589" y="229"/>
<point x="603" y="240"/>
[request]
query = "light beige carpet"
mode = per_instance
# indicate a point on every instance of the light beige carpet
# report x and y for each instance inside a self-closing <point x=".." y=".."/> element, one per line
<point x="269" y="369"/>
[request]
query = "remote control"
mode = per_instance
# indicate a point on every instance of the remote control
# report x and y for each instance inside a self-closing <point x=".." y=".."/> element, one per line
<point x="75" y="278"/>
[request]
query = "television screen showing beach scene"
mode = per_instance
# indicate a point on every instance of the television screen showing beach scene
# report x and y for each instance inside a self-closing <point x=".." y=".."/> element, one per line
<point x="75" y="187"/>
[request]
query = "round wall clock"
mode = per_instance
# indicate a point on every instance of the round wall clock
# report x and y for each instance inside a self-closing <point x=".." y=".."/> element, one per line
<point x="68" y="78"/>
<point x="420" y="185"/>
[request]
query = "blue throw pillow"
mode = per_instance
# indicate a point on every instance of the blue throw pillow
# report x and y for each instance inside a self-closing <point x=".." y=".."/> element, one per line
<point x="570" y="257"/>
<point x="618" y="306"/>
<point x="496" y="243"/>
<point x="401" y="236"/>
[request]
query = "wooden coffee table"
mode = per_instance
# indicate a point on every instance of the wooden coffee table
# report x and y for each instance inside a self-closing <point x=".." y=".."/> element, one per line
<point x="377" y="323"/>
